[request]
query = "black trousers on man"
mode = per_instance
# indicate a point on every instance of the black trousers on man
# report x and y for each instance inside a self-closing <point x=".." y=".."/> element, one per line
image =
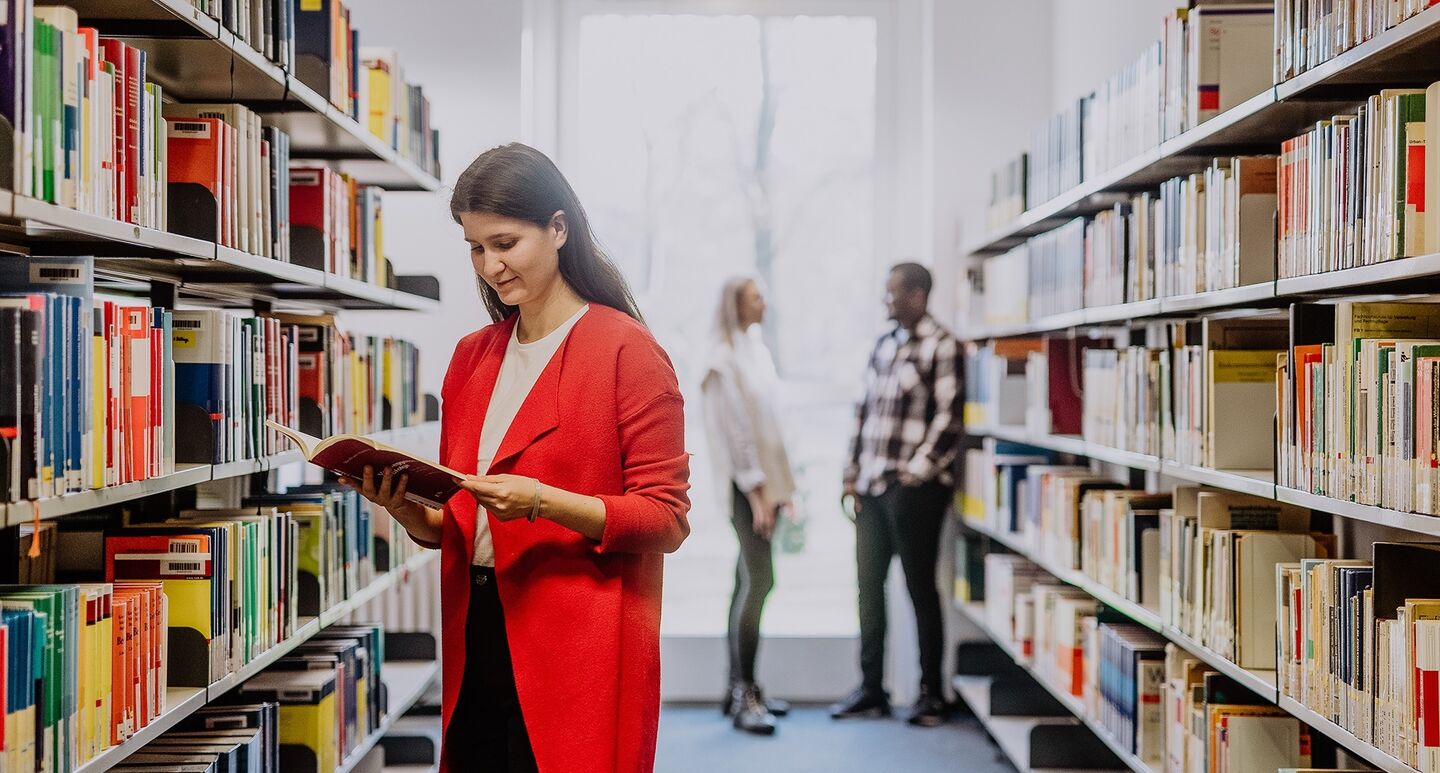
<point x="905" y="520"/>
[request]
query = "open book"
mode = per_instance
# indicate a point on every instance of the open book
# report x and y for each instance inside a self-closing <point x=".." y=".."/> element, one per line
<point x="430" y="484"/>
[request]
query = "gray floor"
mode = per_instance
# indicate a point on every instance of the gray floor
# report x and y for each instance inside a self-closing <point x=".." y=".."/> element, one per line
<point x="699" y="740"/>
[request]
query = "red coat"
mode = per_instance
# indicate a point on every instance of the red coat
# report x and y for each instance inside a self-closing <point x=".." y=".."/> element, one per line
<point x="583" y="618"/>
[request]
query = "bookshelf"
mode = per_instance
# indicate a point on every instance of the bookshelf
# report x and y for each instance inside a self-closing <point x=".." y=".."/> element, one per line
<point x="1400" y="55"/>
<point x="1011" y="733"/>
<point x="193" y="57"/>
<point x="409" y="681"/>
<point x="1403" y="56"/>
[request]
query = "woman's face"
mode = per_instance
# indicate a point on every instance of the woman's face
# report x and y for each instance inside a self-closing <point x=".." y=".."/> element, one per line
<point x="752" y="305"/>
<point x="518" y="259"/>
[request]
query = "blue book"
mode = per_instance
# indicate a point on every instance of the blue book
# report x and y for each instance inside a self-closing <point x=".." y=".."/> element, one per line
<point x="202" y="372"/>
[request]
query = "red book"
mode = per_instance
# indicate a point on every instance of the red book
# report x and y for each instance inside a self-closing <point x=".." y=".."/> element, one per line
<point x="120" y="703"/>
<point x="115" y="52"/>
<point x="310" y="210"/>
<point x="135" y="372"/>
<point x="195" y="147"/>
<point x="134" y="101"/>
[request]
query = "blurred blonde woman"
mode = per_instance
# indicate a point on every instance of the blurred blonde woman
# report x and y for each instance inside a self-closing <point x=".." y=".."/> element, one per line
<point x="741" y="397"/>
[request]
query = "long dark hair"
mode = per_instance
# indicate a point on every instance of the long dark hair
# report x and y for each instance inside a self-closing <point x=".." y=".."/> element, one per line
<point x="520" y="182"/>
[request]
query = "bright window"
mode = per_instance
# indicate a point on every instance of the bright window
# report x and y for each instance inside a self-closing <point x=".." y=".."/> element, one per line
<point x="710" y="145"/>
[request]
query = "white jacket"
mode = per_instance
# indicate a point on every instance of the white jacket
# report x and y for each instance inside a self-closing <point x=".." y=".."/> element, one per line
<point x="741" y="392"/>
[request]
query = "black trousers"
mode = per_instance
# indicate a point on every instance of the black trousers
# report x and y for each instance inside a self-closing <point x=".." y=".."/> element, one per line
<point x="487" y="731"/>
<point x="905" y="520"/>
<point x="754" y="579"/>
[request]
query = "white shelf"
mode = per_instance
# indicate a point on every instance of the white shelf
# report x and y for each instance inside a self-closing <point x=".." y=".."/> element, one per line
<point x="1418" y="523"/>
<point x="975" y="612"/>
<point x="1262" y="683"/>
<point x="1071" y="444"/>
<point x="180" y="702"/>
<point x="1116" y="601"/>
<point x="1344" y="737"/>
<point x="1011" y="734"/>
<point x="405" y="683"/>
<point x="1376" y="276"/>
<point x="1260" y="483"/>
<point x="189" y="475"/>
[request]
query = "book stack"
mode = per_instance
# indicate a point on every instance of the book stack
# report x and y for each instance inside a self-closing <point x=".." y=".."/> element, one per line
<point x="86" y="385"/>
<point x="329" y="694"/>
<point x="85" y="668"/>
<point x="1352" y="188"/>
<point x="399" y="113"/>
<point x="969" y="584"/>
<point x="1215" y="230"/>
<point x="1008" y="580"/>
<point x="351" y="384"/>
<point x="1216" y="56"/>
<point x="366" y="84"/>
<point x="1362" y="407"/>
<point x="1121" y="398"/>
<point x="995" y="381"/>
<point x="1007" y="193"/>
<point x="1006" y="279"/>
<point x="1122" y="116"/>
<point x="1120" y="542"/>
<point x="1125" y="680"/>
<point x="1054" y="386"/>
<point x="1057" y="270"/>
<point x="1308" y="35"/>
<point x="1119" y="256"/>
<point x="227" y="178"/>
<point x="238" y="738"/>
<point x="1214" y="724"/>
<point x="335" y="546"/>
<point x="1230" y="363"/>
<point x="995" y="480"/>
<point x="1054" y="157"/>
<point x="267" y="26"/>
<point x="87" y="124"/>
<point x="336" y="225"/>
<point x="235" y="371"/>
<point x="1358" y="645"/>
<point x="1217" y="583"/>
<point x="228" y="576"/>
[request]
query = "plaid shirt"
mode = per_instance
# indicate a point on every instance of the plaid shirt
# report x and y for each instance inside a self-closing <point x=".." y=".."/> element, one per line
<point x="910" y="419"/>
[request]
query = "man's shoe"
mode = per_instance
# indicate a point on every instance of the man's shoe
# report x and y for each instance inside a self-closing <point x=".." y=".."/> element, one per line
<point x="776" y="706"/>
<point x="862" y="704"/>
<point x="928" y="711"/>
<point x="750" y="712"/>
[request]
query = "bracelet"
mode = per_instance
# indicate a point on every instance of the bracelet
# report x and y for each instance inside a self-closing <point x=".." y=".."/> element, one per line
<point x="535" y="503"/>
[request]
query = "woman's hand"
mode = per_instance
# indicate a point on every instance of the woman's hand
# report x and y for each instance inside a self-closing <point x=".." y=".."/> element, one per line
<point x="389" y="493"/>
<point x="762" y="513"/>
<point x="507" y="497"/>
<point x="422" y="522"/>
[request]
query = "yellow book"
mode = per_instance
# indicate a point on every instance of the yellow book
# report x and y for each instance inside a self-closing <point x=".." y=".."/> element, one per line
<point x="380" y="101"/>
<point x="309" y="717"/>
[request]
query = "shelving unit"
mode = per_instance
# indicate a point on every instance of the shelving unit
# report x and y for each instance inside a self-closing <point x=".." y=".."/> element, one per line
<point x="975" y="613"/>
<point x="191" y="475"/>
<point x="195" y="59"/>
<point x="182" y="702"/>
<point x="406" y="683"/>
<point x="1011" y="734"/>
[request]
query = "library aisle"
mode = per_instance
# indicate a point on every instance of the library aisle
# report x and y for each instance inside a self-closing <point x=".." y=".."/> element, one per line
<point x="939" y="385"/>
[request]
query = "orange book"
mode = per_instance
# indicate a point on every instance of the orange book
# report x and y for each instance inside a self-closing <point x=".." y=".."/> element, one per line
<point x="135" y="374"/>
<point x="195" y="161"/>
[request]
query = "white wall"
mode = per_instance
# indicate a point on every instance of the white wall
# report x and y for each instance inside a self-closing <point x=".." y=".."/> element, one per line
<point x="469" y="65"/>
<point x="1091" y="39"/>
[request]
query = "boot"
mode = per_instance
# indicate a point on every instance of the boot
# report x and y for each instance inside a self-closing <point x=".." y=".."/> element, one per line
<point x="751" y="715"/>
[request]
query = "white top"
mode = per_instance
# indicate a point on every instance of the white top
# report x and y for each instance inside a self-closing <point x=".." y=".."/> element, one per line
<point x="519" y="371"/>
<point x="742" y="417"/>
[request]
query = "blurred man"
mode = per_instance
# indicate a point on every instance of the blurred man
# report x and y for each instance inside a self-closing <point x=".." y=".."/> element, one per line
<point x="899" y="483"/>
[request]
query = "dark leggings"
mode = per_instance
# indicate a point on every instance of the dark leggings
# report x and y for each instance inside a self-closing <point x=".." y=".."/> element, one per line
<point x="487" y="731"/>
<point x="754" y="577"/>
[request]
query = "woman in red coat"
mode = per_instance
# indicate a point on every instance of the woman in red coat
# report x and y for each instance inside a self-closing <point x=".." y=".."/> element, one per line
<point x="568" y="417"/>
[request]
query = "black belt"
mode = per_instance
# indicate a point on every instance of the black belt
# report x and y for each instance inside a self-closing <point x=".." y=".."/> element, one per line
<point x="481" y="576"/>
